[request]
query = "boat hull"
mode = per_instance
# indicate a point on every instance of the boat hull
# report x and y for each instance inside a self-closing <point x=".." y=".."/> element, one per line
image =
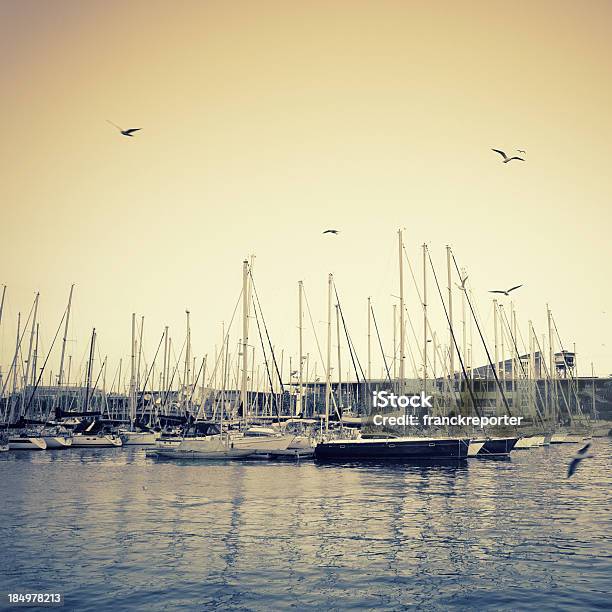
<point x="263" y="444"/>
<point x="33" y="443"/>
<point x="86" y="441"/>
<point x="393" y="448"/>
<point x="177" y="453"/>
<point x="496" y="447"/>
<point x="58" y="441"/>
<point x="139" y="438"/>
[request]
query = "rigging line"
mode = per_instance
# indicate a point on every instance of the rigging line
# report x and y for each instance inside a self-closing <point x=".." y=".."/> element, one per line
<point x="504" y="318"/>
<point x="493" y="367"/>
<point x="429" y="327"/>
<point x="348" y="336"/>
<point x="348" y="339"/>
<point x="380" y="343"/>
<point x="42" y="370"/>
<point x="177" y="359"/>
<point x="313" y="326"/>
<point x="574" y="388"/>
<point x="263" y="348"/>
<point x="16" y="357"/>
<point x="333" y="398"/>
<point x="452" y="332"/>
<point x="144" y="385"/>
<point x="263" y="320"/>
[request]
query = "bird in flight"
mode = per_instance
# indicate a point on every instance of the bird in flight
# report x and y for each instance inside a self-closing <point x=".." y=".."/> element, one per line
<point x="331" y="231"/>
<point x="521" y="151"/>
<point x="129" y="132"/>
<point x="578" y="457"/>
<point x="506" y="292"/>
<point x="506" y="158"/>
<point x="462" y="286"/>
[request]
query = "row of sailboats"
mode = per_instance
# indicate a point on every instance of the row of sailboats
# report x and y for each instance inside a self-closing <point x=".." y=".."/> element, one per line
<point x="224" y="423"/>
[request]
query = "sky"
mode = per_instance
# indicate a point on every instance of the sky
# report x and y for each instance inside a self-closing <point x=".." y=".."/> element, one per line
<point x="265" y="123"/>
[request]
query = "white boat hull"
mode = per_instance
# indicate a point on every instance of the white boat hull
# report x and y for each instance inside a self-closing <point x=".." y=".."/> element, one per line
<point x="27" y="443"/>
<point x="207" y="448"/>
<point x="262" y="444"/>
<point x="58" y="441"/>
<point x="87" y="441"/>
<point x="139" y="438"/>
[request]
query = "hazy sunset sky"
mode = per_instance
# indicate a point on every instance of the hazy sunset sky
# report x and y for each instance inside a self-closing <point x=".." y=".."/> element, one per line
<point x="264" y="123"/>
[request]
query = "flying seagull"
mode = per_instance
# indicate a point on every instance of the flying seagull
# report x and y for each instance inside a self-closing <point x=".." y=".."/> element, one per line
<point x="506" y="158"/>
<point x="505" y="292"/>
<point x="462" y="286"/>
<point x="521" y="151"/>
<point x="578" y="457"/>
<point x="331" y="231"/>
<point x="129" y="132"/>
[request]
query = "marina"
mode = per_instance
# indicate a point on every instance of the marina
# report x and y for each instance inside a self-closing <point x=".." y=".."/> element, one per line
<point x="306" y="306"/>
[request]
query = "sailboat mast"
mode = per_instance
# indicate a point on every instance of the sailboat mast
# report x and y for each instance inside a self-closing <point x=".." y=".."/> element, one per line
<point x="245" y="338"/>
<point x="60" y="378"/>
<point x="301" y="364"/>
<point x="92" y="346"/>
<point x="132" y="397"/>
<point x="339" y="389"/>
<point x="186" y="374"/>
<point x="425" y="319"/>
<point x="401" y="306"/>
<point x="551" y="365"/>
<point x="26" y="378"/>
<point x="369" y="338"/>
<point x="328" y="372"/>
<point x="451" y="345"/>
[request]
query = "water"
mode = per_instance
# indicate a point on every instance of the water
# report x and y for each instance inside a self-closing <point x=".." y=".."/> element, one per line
<point x="113" y="530"/>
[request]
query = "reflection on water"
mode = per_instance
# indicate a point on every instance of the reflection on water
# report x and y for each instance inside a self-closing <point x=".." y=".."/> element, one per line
<point x="112" y="530"/>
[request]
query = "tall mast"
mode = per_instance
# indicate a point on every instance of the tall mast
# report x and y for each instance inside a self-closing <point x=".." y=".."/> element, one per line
<point x="139" y="355"/>
<point x="132" y="396"/>
<point x="245" y="337"/>
<point x="328" y="369"/>
<point x="425" y="319"/>
<point x="26" y="378"/>
<point x="451" y="346"/>
<point x="165" y="366"/>
<point x="60" y="378"/>
<point x="401" y="305"/>
<point x="300" y="328"/>
<point x="394" y="341"/>
<point x="92" y="346"/>
<point x="551" y="364"/>
<point x="464" y="323"/>
<point x="339" y="389"/>
<point x="369" y="339"/>
<point x="496" y="340"/>
<point x="187" y="368"/>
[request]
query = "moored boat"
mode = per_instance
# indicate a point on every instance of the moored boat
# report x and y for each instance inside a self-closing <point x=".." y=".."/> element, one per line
<point x="393" y="448"/>
<point x="25" y="442"/>
<point x="100" y="440"/>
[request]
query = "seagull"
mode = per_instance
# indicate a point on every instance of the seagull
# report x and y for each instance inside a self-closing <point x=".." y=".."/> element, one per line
<point x="521" y="151"/>
<point x="462" y="286"/>
<point x="578" y="457"/>
<point x="331" y="231"/>
<point x="506" y="158"/>
<point x="506" y="292"/>
<point x="129" y="132"/>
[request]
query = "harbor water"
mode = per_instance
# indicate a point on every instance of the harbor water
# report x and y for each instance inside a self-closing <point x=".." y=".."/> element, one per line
<point x="111" y="529"/>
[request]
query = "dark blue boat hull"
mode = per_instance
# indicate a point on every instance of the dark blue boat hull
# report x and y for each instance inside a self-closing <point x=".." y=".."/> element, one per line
<point x="394" y="449"/>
